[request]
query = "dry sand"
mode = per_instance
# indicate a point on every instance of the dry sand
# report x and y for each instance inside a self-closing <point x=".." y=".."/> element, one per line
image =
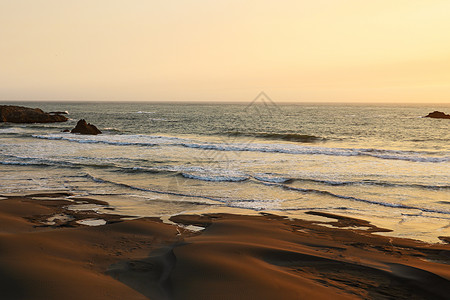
<point x="235" y="257"/>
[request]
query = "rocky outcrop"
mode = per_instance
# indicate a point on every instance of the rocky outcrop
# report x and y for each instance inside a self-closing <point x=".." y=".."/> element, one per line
<point x="438" y="115"/>
<point x="85" y="128"/>
<point x="21" y="114"/>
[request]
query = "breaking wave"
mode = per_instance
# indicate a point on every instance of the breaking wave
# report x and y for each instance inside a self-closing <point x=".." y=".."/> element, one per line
<point x="291" y="137"/>
<point x="381" y="203"/>
<point x="154" y="140"/>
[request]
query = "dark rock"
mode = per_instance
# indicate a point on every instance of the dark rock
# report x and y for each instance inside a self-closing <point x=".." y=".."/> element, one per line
<point x="21" y="114"/>
<point x="85" y="128"/>
<point x="66" y="130"/>
<point x="438" y="115"/>
<point x="445" y="239"/>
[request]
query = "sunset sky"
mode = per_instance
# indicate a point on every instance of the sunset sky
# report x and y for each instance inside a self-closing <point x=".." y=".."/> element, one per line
<point x="205" y="50"/>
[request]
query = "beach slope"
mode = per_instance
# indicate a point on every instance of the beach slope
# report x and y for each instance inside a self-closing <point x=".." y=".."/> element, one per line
<point x="234" y="257"/>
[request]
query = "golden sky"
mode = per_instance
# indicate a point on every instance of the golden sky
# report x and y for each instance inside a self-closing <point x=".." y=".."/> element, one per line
<point x="211" y="50"/>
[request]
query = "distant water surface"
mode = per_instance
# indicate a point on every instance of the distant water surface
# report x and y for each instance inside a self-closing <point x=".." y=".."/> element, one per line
<point x="383" y="163"/>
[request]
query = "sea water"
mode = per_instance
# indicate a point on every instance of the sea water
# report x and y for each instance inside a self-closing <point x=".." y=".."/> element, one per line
<point x="383" y="163"/>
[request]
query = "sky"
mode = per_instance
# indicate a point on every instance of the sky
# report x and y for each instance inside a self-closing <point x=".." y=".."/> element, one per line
<point x="209" y="50"/>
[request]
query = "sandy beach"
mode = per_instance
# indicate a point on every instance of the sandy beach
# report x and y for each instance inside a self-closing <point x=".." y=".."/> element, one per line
<point x="47" y="254"/>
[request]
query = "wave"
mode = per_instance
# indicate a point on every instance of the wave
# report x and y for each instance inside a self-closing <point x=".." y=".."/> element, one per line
<point x="93" y="140"/>
<point x="25" y="132"/>
<point x="307" y="150"/>
<point x="271" y="178"/>
<point x="112" y="129"/>
<point x="54" y="164"/>
<point x="150" y="141"/>
<point x="372" y="182"/>
<point x="215" y="178"/>
<point x="250" y="203"/>
<point x="12" y="130"/>
<point x="291" y="137"/>
<point x="114" y="139"/>
<point x="274" y="178"/>
<point x="31" y="127"/>
<point x="101" y="180"/>
<point x="42" y="162"/>
<point x="203" y="173"/>
<point x="409" y="158"/>
<point x="64" y="112"/>
<point x="158" y="119"/>
<point x="231" y="176"/>
<point x="212" y="174"/>
<point x="145" y="170"/>
<point x="431" y="139"/>
<point x="197" y="173"/>
<point x="18" y="163"/>
<point x="381" y="203"/>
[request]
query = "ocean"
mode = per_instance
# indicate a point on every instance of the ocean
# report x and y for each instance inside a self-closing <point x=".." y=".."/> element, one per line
<point x="382" y="163"/>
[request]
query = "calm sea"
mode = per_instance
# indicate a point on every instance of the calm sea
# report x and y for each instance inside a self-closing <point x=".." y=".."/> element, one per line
<point x="383" y="163"/>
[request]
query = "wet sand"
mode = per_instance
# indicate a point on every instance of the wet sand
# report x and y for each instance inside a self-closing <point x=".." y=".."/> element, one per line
<point x="45" y="253"/>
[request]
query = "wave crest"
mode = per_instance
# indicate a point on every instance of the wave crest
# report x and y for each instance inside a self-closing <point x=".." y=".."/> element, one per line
<point x="291" y="137"/>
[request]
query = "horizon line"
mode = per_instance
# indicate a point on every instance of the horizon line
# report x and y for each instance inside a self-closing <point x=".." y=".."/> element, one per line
<point x="223" y="102"/>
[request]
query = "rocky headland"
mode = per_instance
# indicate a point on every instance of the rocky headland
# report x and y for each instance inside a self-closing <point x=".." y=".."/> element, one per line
<point x="438" y="115"/>
<point x="21" y="114"/>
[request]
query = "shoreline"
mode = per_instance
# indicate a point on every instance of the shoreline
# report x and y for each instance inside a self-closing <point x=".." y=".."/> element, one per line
<point x="48" y="254"/>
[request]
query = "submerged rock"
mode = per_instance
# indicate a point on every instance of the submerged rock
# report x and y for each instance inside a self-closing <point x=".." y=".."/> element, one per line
<point x="438" y="115"/>
<point x="21" y="114"/>
<point x="85" y="128"/>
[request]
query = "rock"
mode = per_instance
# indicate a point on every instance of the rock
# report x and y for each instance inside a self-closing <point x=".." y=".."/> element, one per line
<point x="438" y="115"/>
<point x="445" y="239"/>
<point x="85" y="128"/>
<point x="21" y="114"/>
<point x="66" y="130"/>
